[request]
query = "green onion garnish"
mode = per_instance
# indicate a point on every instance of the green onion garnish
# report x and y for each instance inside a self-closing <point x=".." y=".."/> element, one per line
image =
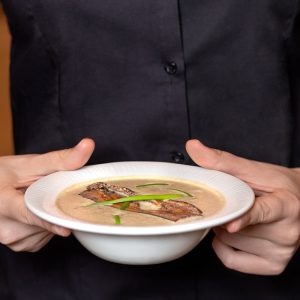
<point x="138" y="198"/>
<point x="124" y="205"/>
<point x="151" y="184"/>
<point x="117" y="220"/>
<point x="181" y="191"/>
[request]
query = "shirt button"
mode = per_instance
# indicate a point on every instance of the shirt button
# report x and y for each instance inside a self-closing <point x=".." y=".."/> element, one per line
<point x="177" y="157"/>
<point x="171" y="67"/>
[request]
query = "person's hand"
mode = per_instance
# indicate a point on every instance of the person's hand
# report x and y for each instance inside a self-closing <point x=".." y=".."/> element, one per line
<point x="20" y="230"/>
<point x="263" y="240"/>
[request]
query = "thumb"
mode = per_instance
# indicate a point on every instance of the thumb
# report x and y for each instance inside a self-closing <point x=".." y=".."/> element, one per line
<point x="259" y="175"/>
<point x="67" y="159"/>
<point x="216" y="159"/>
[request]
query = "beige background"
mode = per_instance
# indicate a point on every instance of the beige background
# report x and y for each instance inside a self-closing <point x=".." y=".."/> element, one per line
<point x="6" y="144"/>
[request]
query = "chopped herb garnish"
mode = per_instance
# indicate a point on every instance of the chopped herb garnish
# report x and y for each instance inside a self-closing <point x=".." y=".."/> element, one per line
<point x="151" y="184"/>
<point x="117" y="220"/>
<point x="124" y="205"/>
<point x="181" y="191"/>
<point x="138" y="198"/>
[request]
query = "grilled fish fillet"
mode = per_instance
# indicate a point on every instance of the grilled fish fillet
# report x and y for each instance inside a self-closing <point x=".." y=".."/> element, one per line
<point x="172" y="210"/>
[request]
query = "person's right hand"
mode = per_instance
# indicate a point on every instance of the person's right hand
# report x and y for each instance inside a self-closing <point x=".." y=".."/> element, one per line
<point x="20" y="230"/>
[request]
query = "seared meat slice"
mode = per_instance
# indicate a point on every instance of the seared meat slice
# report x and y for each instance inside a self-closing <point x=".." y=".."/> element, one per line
<point x="101" y="191"/>
<point x="172" y="210"/>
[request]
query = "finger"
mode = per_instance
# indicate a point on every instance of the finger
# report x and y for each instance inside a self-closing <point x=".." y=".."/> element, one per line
<point x="34" y="166"/>
<point x="38" y="246"/>
<point x="31" y="243"/>
<point x="266" y="209"/>
<point x="12" y="231"/>
<point x="245" y="262"/>
<point x="280" y="233"/>
<point x="244" y="243"/>
<point x="261" y="176"/>
<point x="14" y="208"/>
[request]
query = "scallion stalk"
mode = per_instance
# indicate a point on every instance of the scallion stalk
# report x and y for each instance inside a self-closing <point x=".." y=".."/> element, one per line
<point x="181" y="191"/>
<point x="138" y="198"/>
<point x="151" y="184"/>
<point x="117" y="220"/>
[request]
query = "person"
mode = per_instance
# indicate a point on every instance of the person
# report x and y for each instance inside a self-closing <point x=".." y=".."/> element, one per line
<point x="140" y="78"/>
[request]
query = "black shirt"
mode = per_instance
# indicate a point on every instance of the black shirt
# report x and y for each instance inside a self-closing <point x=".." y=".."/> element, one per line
<point x="141" y="77"/>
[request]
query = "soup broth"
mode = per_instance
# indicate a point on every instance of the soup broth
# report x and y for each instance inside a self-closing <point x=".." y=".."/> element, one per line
<point x="76" y="201"/>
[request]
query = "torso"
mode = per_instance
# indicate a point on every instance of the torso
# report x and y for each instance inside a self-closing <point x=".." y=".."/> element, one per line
<point x="100" y="69"/>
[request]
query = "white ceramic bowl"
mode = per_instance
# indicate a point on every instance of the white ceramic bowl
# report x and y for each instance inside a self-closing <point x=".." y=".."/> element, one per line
<point x="139" y="245"/>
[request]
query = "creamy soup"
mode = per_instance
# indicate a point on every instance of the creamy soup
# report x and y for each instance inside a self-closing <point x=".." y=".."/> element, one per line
<point x="182" y="201"/>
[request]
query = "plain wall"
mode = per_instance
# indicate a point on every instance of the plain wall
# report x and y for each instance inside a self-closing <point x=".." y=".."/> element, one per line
<point x="6" y="142"/>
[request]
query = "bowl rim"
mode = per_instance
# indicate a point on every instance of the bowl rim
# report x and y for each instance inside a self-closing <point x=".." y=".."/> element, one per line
<point x="36" y="190"/>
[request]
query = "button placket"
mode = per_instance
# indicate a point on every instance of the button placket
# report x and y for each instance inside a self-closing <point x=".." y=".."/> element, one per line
<point x="173" y="82"/>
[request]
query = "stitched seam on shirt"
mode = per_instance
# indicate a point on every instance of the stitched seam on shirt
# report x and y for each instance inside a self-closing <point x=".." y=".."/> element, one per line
<point x="167" y="82"/>
<point x="53" y="56"/>
<point x="291" y="21"/>
<point x="47" y="45"/>
<point x="185" y="75"/>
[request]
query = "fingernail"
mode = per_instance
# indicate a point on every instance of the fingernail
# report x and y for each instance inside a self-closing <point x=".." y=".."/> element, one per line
<point x="80" y="143"/>
<point x="234" y="226"/>
<point x="61" y="230"/>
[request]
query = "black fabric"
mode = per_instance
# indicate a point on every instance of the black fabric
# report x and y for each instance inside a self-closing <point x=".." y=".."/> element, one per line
<point x="238" y="85"/>
<point x="141" y="77"/>
<point x="293" y="47"/>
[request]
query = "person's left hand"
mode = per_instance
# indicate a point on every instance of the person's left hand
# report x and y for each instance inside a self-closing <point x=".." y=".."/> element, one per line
<point x="263" y="240"/>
